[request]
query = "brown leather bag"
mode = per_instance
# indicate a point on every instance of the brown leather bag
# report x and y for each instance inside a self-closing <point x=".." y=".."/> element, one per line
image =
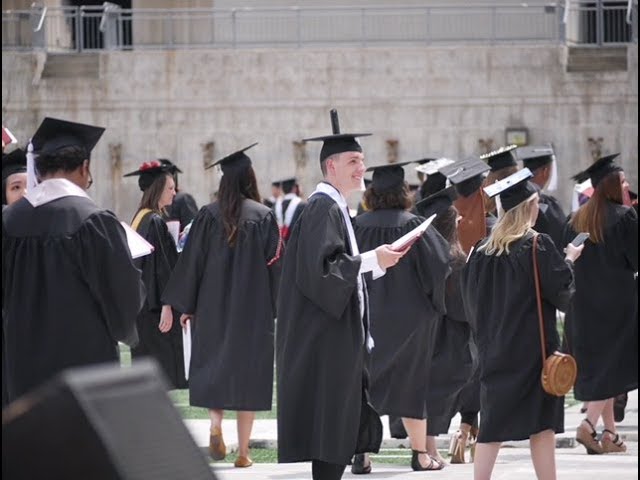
<point x="559" y="370"/>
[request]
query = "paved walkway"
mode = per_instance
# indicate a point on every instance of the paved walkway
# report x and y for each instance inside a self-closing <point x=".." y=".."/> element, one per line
<point x="514" y="462"/>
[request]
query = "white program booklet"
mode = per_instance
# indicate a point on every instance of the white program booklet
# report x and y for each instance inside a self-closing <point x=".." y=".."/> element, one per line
<point x="174" y="229"/>
<point x="186" y="347"/>
<point x="409" y="238"/>
<point x="138" y="246"/>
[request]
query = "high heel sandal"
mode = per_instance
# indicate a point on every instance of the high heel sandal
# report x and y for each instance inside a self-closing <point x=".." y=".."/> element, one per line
<point x="417" y="467"/>
<point x="588" y="439"/>
<point x="612" y="443"/>
<point x="358" y="466"/>
<point x="457" y="446"/>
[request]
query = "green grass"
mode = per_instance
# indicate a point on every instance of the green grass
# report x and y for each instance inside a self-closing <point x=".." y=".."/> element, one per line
<point x="180" y="398"/>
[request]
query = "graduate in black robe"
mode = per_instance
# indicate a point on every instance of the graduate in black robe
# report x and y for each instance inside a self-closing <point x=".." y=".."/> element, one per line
<point x="551" y="218"/>
<point x="322" y="335"/>
<point x="158" y="326"/>
<point x="405" y="304"/>
<point x="227" y="280"/>
<point x="183" y="208"/>
<point x="604" y="310"/>
<point x="70" y="289"/>
<point x="474" y="224"/>
<point x="14" y="185"/>
<point x="288" y="207"/>
<point x="500" y="300"/>
<point x="454" y="357"/>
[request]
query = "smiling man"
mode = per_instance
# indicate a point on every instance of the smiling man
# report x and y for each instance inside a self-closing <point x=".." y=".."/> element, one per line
<point x="323" y="330"/>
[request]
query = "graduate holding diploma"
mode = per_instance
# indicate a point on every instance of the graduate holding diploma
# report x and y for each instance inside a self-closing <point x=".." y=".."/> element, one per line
<point x="323" y="330"/>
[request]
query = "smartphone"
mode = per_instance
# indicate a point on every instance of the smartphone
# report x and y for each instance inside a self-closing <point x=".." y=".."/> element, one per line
<point x="580" y="238"/>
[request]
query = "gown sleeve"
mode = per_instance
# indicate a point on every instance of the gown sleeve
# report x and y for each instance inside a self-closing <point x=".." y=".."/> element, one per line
<point x="181" y="291"/>
<point x="111" y="275"/>
<point x="157" y="267"/>
<point x="273" y="252"/>
<point x="324" y="272"/>
<point x="556" y="275"/>
<point x="433" y="266"/>
<point x="629" y="234"/>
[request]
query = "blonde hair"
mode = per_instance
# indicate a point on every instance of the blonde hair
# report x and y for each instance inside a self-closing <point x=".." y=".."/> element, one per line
<point x="512" y="225"/>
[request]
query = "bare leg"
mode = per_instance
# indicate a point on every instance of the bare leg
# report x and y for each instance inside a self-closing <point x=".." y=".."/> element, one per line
<point x="594" y="411"/>
<point x="415" y="429"/>
<point x="245" y="424"/>
<point x="607" y="415"/>
<point x="485" y="459"/>
<point x="543" y="454"/>
<point x="216" y="419"/>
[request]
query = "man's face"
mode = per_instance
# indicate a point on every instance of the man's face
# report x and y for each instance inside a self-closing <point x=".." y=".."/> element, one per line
<point x="348" y="171"/>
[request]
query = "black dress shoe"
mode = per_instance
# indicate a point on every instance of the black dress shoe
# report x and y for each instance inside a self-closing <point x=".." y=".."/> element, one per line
<point x="358" y="467"/>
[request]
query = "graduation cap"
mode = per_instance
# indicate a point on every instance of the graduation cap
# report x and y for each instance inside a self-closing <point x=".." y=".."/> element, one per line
<point x="287" y="184"/>
<point x="54" y="134"/>
<point x="338" y="142"/>
<point x="513" y="190"/>
<point x="500" y="158"/>
<point x="437" y="203"/>
<point x="14" y="162"/>
<point x="535" y="157"/>
<point x="467" y="175"/>
<point x="148" y="172"/>
<point x="276" y="183"/>
<point x="388" y="176"/>
<point x="432" y="166"/>
<point x="237" y="159"/>
<point x="7" y="137"/>
<point x="600" y="169"/>
<point x="171" y="167"/>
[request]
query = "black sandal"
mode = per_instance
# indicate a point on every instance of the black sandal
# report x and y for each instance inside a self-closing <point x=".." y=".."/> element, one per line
<point x="358" y="467"/>
<point x="417" y="467"/>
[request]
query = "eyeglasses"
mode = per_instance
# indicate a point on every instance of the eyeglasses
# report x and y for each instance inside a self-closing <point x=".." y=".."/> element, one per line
<point x="90" y="181"/>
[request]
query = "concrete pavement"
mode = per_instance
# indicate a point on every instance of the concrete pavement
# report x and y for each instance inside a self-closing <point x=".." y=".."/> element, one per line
<point x="514" y="462"/>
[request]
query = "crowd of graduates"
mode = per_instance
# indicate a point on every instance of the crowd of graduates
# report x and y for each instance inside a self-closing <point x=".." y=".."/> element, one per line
<point x="359" y="325"/>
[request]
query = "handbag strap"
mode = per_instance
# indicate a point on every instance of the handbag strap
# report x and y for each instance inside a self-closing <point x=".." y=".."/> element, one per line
<point x="536" y="281"/>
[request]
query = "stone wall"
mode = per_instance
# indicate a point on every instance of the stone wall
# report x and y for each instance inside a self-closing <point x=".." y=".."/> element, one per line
<point x="194" y="106"/>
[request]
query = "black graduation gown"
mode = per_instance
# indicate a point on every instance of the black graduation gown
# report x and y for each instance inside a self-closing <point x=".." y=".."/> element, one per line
<point x="156" y="268"/>
<point x="319" y="340"/>
<point x="500" y="301"/>
<point x="231" y="291"/>
<point x="404" y="306"/>
<point x="454" y="359"/>
<point x="183" y="208"/>
<point x="551" y="220"/>
<point x="603" y="318"/>
<point x="70" y="289"/>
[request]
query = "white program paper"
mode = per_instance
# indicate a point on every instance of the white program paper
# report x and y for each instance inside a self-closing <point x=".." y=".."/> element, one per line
<point x="186" y="347"/>
<point x="138" y="246"/>
<point x="410" y="237"/>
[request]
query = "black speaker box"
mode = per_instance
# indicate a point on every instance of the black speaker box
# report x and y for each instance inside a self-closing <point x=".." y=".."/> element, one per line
<point x="100" y="422"/>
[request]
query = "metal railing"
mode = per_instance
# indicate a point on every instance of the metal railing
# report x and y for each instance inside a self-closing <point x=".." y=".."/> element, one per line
<point x="109" y="27"/>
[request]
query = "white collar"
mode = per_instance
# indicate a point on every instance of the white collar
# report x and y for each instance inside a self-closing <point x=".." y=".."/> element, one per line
<point x="53" y="189"/>
<point x="333" y="192"/>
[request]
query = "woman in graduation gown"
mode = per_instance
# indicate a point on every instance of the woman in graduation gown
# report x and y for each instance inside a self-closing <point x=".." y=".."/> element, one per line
<point x="500" y="299"/>
<point x="160" y="335"/>
<point x="226" y="281"/>
<point x="604" y="310"/>
<point x="404" y="307"/>
<point x="454" y="357"/>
